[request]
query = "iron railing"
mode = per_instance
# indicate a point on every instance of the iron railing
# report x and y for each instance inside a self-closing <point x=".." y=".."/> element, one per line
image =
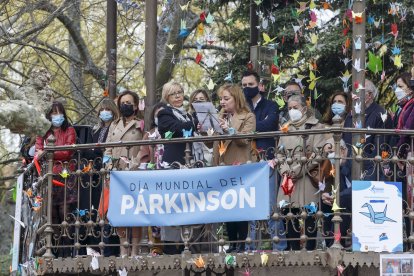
<point x="45" y="238"/>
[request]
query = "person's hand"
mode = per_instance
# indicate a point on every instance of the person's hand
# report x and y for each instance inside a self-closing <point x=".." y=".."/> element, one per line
<point x="224" y="125"/>
<point x="327" y="199"/>
<point x="412" y="72"/>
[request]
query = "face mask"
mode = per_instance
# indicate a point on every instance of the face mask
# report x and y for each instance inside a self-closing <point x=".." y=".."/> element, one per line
<point x="156" y="121"/>
<point x="338" y="108"/>
<point x="105" y="115"/>
<point x="250" y="92"/>
<point x="331" y="157"/>
<point x="127" y="110"/>
<point x="295" y="115"/>
<point x="57" y="120"/>
<point x="399" y="93"/>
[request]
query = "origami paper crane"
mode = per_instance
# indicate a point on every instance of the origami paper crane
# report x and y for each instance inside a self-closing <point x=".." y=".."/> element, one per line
<point x="357" y="65"/>
<point x="267" y="39"/>
<point x="264" y="258"/>
<point x="209" y="18"/>
<point x="230" y="260"/>
<point x="397" y="61"/>
<point x="64" y="173"/>
<point x="312" y="80"/>
<point x="210" y="84"/>
<point x="168" y="134"/>
<point x="199" y="262"/>
<point x="376" y="217"/>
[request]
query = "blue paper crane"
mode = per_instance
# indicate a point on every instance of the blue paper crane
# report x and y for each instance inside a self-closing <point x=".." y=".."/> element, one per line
<point x="376" y="217"/>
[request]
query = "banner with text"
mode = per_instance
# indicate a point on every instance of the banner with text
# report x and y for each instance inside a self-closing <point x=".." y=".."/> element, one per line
<point x="189" y="196"/>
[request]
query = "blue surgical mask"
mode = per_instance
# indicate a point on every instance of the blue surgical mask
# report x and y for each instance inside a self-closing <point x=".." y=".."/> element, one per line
<point x="338" y="108"/>
<point x="106" y="115"/>
<point x="57" y="120"/>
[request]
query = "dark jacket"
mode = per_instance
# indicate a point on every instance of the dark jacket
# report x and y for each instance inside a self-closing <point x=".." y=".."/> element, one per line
<point x="373" y="120"/>
<point x="168" y="121"/>
<point x="267" y="119"/>
<point x="407" y="123"/>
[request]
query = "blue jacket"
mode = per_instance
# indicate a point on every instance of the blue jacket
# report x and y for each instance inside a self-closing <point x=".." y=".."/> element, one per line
<point x="267" y="119"/>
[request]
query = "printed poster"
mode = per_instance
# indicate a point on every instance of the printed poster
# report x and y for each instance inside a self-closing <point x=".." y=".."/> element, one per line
<point x="377" y="216"/>
<point x="396" y="264"/>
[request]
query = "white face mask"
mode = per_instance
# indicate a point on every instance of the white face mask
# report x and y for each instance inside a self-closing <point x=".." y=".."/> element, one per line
<point x="331" y="157"/>
<point x="295" y="115"/>
<point x="399" y="93"/>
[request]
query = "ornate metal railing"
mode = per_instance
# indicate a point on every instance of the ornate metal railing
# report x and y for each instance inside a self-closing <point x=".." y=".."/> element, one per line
<point x="46" y="238"/>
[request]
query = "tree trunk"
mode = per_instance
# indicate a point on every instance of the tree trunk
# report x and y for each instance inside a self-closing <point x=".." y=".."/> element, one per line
<point x="75" y="71"/>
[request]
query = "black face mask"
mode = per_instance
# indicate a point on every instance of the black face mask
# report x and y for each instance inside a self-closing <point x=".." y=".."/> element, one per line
<point x="250" y="92"/>
<point x="126" y="110"/>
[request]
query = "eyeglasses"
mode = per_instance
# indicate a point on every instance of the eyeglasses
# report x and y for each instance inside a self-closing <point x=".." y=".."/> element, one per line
<point x="176" y="94"/>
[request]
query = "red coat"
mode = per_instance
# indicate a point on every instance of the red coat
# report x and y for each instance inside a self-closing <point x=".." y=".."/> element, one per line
<point x="63" y="138"/>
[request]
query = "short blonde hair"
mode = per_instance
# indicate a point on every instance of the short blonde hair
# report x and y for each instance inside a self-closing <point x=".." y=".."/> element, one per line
<point x="237" y="93"/>
<point x="170" y="88"/>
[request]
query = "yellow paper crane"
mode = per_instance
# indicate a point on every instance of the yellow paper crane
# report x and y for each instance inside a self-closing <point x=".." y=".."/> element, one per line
<point x="267" y="39"/>
<point x="314" y="38"/>
<point x="397" y="61"/>
<point x="64" y="173"/>
<point x="295" y="55"/>
<point x="312" y="80"/>
<point x="264" y="258"/>
<point x="185" y="6"/>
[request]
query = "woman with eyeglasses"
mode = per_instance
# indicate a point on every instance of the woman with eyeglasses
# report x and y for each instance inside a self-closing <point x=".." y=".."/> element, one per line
<point x="174" y="122"/>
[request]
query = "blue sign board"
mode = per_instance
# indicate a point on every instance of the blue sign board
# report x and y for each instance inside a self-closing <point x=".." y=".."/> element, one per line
<point x="189" y="196"/>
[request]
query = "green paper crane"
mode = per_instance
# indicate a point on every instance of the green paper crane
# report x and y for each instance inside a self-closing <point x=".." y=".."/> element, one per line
<point x="168" y="134"/>
<point x="374" y="63"/>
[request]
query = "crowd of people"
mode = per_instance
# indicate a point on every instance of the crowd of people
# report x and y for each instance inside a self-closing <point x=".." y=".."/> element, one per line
<point x="243" y="109"/>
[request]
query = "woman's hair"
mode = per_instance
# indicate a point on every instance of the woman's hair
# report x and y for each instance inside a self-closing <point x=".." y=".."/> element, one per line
<point x="327" y="118"/>
<point x="58" y="106"/>
<point x="405" y="77"/>
<point x="169" y="88"/>
<point x="108" y="104"/>
<point x="302" y="101"/>
<point x="134" y="96"/>
<point x="237" y="93"/>
<point x="194" y="94"/>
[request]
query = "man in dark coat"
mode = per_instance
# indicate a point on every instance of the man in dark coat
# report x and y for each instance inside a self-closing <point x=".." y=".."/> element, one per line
<point x="375" y="117"/>
<point x="266" y="111"/>
<point x="267" y="119"/>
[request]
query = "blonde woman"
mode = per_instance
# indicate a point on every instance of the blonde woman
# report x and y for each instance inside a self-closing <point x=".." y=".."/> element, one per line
<point x="235" y="118"/>
<point x="173" y="120"/>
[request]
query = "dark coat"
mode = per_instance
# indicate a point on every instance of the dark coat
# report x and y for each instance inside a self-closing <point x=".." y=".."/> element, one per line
<point x="167" y="121"/>
<point x="373" y="120"/>
<point x="407" y="123"/>
<point x="267" y="117"/>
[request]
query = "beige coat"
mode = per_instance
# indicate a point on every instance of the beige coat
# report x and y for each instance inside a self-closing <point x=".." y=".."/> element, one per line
<point x="237" y="151"/>
<point x="133" y="131"/>
<point x="304" y="192"/>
